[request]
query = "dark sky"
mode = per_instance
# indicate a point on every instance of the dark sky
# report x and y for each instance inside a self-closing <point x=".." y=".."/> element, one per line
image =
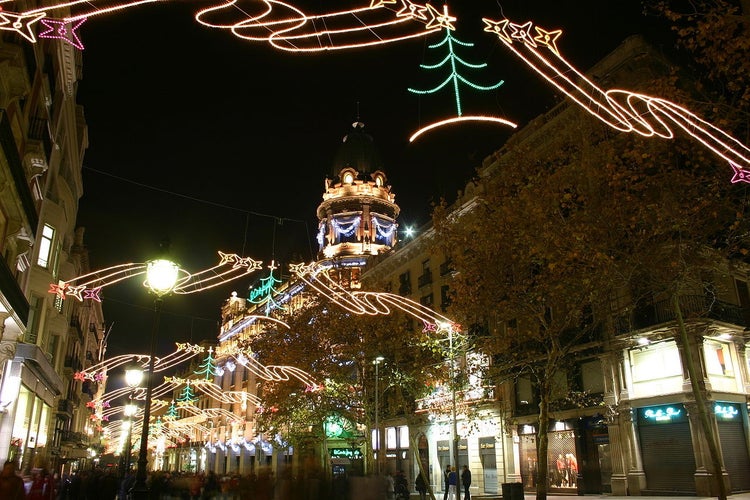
<point x="194" y="132"/>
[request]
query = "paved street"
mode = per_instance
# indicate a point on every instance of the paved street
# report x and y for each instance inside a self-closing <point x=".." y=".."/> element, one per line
<point x="738" y="496"/>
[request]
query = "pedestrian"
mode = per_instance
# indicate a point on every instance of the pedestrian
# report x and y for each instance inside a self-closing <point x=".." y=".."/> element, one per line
<point x="466" y="481"/>
<point x="452" y="483"/>
<point x="421" y="486"/>
<point x="11" y="485"/>
<point x="446" y="476"/>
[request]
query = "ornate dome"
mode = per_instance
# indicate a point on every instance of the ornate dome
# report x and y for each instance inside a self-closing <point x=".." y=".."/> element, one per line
<point x="357" y="151"/>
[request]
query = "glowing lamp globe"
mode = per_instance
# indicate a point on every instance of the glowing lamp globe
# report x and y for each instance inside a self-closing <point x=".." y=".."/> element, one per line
<point x="134" y="375"/>
<point x="130" y="410"/>
<point x="161" y="276"/>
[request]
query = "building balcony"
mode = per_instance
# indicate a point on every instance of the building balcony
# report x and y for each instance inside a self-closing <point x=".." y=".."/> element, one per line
<point x="692" y="306"/>
<point x="65" y="407"/>
<point x="73" y="363"/>
<point x="70" y="438"/>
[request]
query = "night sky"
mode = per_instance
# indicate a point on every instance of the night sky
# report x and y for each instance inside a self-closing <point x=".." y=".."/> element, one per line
<point x="217" y="143"/>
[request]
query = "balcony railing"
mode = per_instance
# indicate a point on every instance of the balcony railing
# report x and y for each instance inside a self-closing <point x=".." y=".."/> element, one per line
<point x="74" y="438"/>
<point x="691" y="306"/>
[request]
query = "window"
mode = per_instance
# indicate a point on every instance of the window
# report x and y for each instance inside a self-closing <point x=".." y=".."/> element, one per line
<point x="404" y="280"/>
<point x="35" y="311"/>
<point x="718" y="358"/>
<point x="45" y="246"/>
<point x="592" y="378"/>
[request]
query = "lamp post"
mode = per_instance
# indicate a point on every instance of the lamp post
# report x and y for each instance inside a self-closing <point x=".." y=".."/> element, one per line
<point x="378" y="441"/>
<point x="161" y="278"/>
<point x="130" y="410"/>
<point x="133" y="378"/>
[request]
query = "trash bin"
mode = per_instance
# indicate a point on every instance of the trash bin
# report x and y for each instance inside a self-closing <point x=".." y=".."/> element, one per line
<point x="512" y="491"/>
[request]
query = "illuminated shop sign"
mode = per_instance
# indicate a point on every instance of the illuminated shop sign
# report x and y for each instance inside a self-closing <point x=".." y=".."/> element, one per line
<point x="662" y="414"/>
<point x="726" y="411"/>
<point x="350" y="453"/>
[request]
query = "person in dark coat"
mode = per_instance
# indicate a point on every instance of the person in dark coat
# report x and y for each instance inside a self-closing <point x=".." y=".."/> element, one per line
<point x="466" y="481"/>
<point x="11" y="485"/>
<point x="421" y="486"/>
<point x="446" y="479"/>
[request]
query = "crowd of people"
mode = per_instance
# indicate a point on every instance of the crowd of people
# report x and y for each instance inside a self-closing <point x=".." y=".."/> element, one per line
<point x="100" y="484"/>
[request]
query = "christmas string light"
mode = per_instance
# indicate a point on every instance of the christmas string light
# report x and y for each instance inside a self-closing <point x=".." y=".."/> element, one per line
<point x="620" y="109"/>
<point x="89" y="286"/>
<point x="183" y="352"/>
<point x="288" y="28"/>
<point x="63" y="30"/>
<point x="363" y="302"/>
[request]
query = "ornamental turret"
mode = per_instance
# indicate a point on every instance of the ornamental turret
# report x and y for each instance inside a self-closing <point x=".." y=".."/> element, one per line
<point x="357" y="217"/>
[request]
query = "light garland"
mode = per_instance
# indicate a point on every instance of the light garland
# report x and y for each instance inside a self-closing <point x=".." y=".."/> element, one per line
<point x="371" y="303"/>
<point x="622" y="110"/>
<point x="280" y="24"/>
<point x="384" y="231"/>
<point x="455" y="78"/>
<point x="345" y="225"/>
<point x="288" y="28"/>
<point x="90" y="285"/>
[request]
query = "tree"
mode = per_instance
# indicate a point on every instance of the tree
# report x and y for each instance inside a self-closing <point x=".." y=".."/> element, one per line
<point x="337" y="348"/>
<point x="556" y="233"/>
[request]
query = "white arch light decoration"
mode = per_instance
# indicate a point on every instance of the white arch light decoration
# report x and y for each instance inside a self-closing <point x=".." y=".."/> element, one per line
<point x="280" y="24"/>
<point x="620" y="109"/>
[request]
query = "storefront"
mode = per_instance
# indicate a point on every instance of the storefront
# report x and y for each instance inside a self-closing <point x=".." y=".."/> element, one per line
<point x="562" y="461"/>
<point x="733" y="440"/>
<point x="667" y="448"/>
<point x="488" y="459"/>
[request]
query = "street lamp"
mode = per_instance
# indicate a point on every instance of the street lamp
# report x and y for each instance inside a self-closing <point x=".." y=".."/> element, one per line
<point x="133" y="378"/>
<point x="161" y="278"/>
<point x="378" y="441"/>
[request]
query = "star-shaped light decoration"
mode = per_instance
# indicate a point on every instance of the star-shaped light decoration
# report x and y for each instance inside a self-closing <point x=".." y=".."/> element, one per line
<point x="438" y="20"/>
<point x="76" y="291"/>
<point x="380" y="3"/>
<point x="548" y="38"/>
<point x="498" y="27"/>
<point x="58" y="290"/>
<point x="413" y="10"/>
<point x="21" y="23"/>
<point x="63" y="30"/>
<point x="80" y="376"/>
<point x="93" y="294"/>
<point x="522" y="32"/>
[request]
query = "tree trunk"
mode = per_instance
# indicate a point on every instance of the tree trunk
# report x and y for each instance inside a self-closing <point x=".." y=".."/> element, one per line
<point x="542" y="441"/>
<point x="700" y="401"/>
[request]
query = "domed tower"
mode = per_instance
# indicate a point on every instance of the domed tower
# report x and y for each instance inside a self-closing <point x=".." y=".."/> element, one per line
<point x="358" y="214"/>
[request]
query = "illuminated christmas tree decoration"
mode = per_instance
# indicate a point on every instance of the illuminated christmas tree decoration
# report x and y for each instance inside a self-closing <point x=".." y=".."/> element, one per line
<point x="63" y="30"/>
<point x="89" y="286"/>
<point x="187" y="396"/>
<point x="622" y="110"/>
<point x="172" y="413"/>
<point x="454" y="79"/>
<point x="265" y="292"/>
<point x="208" y="366"/>
<point x="288" y="28"/>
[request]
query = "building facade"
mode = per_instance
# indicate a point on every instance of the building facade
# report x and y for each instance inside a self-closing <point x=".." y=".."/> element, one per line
<point x="44" y="421"/>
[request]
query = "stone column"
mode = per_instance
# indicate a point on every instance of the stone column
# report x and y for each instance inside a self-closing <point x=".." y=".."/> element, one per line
<point x="636" y="475"/>
<point x="611" y="367"/>
<point x="704" y="474"/>
<point x="7" y="343"/>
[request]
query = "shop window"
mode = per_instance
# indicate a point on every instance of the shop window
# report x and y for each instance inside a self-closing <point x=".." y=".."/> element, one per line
<point x="718" y="358"/>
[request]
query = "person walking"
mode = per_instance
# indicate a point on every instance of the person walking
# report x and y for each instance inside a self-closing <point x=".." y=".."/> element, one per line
<point x="466" y="481"/>
<point x="446" y="485"/>
<point x="452" y="483"/>
<point x="421" y="486"/>
<point x="11" y="485"/>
